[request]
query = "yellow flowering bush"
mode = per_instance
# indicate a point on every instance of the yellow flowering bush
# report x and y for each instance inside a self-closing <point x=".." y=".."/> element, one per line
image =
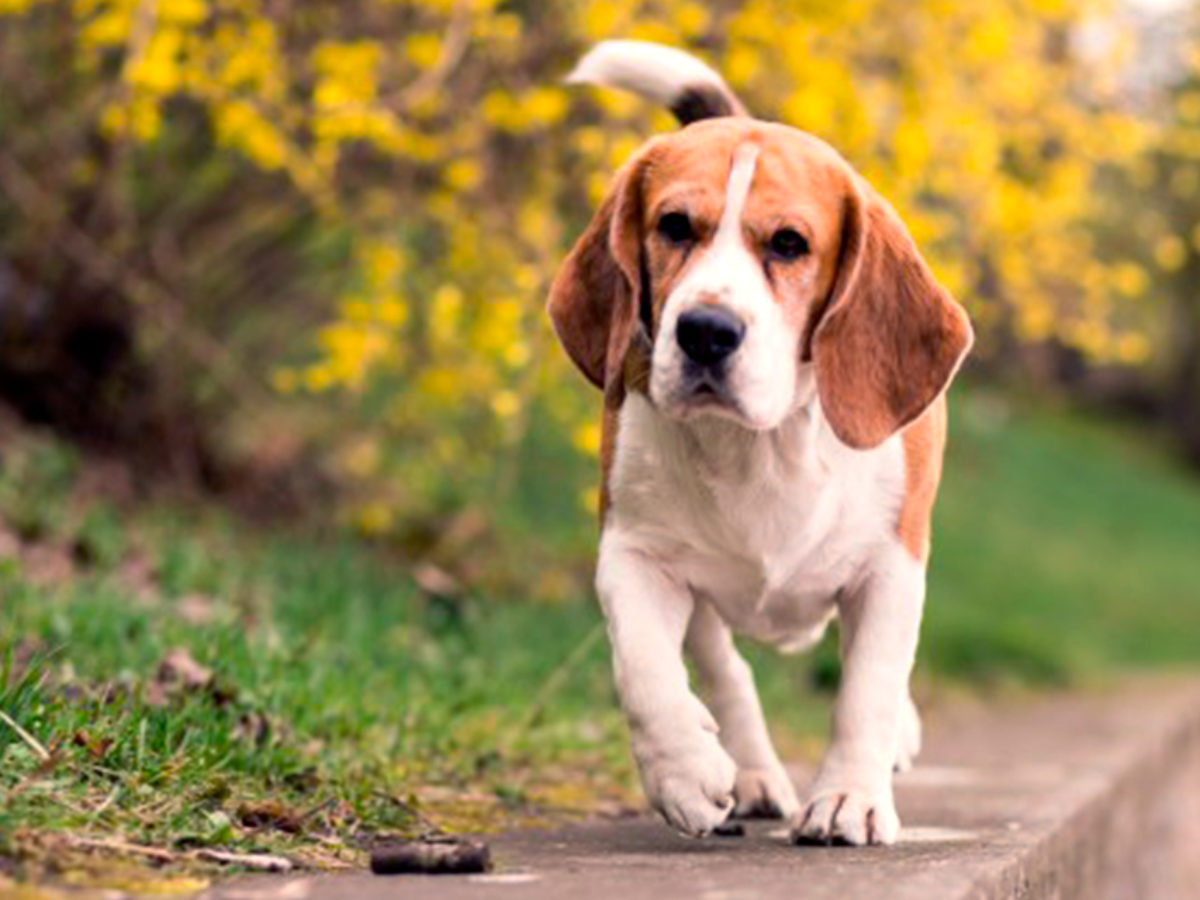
<point x="428" y="170"/>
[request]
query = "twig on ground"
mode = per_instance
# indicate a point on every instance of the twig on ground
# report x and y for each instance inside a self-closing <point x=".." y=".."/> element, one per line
<point x="108" y="801"/>
<point x="33" y="743"/>
<point x="116" y="846"/>
<point x="263" y="862"/>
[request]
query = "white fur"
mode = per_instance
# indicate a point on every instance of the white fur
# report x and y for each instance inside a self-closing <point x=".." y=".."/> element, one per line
<point x="715" y="526"/>
<point x="652" y="70"/>
<point x="761" y="375"/>
<point x="762" y="785"/>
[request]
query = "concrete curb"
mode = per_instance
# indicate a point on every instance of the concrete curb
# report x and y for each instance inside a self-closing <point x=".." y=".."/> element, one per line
<point x="1136" y="834"/>
<point x="1075" y="796"/>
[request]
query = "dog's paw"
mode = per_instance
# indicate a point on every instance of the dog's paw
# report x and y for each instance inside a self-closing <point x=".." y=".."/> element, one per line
<point x="690" y="784"/>
<point x="849" y="816"/>
<point x="765" y="793"/>
<point x="908" y="736"/>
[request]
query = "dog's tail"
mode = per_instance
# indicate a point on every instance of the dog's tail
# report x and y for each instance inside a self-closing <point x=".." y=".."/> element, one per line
<point x="689" y="88"/>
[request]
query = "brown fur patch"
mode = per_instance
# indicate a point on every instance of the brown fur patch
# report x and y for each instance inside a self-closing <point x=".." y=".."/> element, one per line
<point x="891" y="338"/>
<point x="924" y="442"/>
<point x="594" y="297"/>
<point x="635" y="380"/>
<point x="609" y="426"/>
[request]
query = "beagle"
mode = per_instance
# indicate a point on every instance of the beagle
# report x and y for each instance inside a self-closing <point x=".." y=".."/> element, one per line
<point x="773" y="353"/>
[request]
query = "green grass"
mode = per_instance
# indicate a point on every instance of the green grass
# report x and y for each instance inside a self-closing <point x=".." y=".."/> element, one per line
<point x="346" y="703"/>
<point x="1063" y="547"/>
<point x="339" y="693"/>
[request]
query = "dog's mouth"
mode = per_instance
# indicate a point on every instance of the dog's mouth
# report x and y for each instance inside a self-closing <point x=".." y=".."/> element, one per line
<point x="706" y="392"/>
<point x="704" y="385"/>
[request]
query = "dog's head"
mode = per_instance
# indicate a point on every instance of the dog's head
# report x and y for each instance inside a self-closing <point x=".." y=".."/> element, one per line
<point x="753" y="258"/>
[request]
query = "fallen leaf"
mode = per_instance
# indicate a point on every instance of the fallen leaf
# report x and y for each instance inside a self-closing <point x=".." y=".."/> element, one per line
<point x="179" y="667"/>
<point x="252" y="726"/>
<point x="96" y="748"/>
<point x="436" y="581"/>
<point x="178" y="672"/>
<point x="272" y="815"/>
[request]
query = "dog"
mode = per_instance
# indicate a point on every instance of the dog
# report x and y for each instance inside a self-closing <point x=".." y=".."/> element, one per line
<point x="773" y="354"/>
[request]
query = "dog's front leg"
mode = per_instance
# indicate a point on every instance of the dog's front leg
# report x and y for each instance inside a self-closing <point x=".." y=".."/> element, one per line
<point x="851" y="798"/>
<point x="763" y="787"/>
<point x="686" y="774"/>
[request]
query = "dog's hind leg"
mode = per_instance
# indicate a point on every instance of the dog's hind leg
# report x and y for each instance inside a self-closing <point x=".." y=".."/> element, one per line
<point x="908" y="737"/>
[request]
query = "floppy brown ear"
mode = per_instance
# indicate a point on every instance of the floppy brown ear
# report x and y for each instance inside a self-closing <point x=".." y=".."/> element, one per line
<point x="891" y="337"/>
<point x="595" y="295"/>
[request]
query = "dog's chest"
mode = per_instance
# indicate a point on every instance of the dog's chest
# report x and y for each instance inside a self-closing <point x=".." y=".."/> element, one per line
<point x="768" y="529"/>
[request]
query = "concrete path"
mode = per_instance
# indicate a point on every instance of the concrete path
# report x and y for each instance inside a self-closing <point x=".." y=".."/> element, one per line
<point x="1095" y="796"/>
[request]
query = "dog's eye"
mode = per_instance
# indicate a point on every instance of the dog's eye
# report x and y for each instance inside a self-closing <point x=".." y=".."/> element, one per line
<point x="787" y="243"/>
<point x="676" y="227"/>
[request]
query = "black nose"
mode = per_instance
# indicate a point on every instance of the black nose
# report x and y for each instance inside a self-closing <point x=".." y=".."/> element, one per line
<point x="708" y="334"/>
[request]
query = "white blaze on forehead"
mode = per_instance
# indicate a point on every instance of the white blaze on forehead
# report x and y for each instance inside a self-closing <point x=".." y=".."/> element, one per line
<point x="760" y="378"/>
<point x="737" y="189"/>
